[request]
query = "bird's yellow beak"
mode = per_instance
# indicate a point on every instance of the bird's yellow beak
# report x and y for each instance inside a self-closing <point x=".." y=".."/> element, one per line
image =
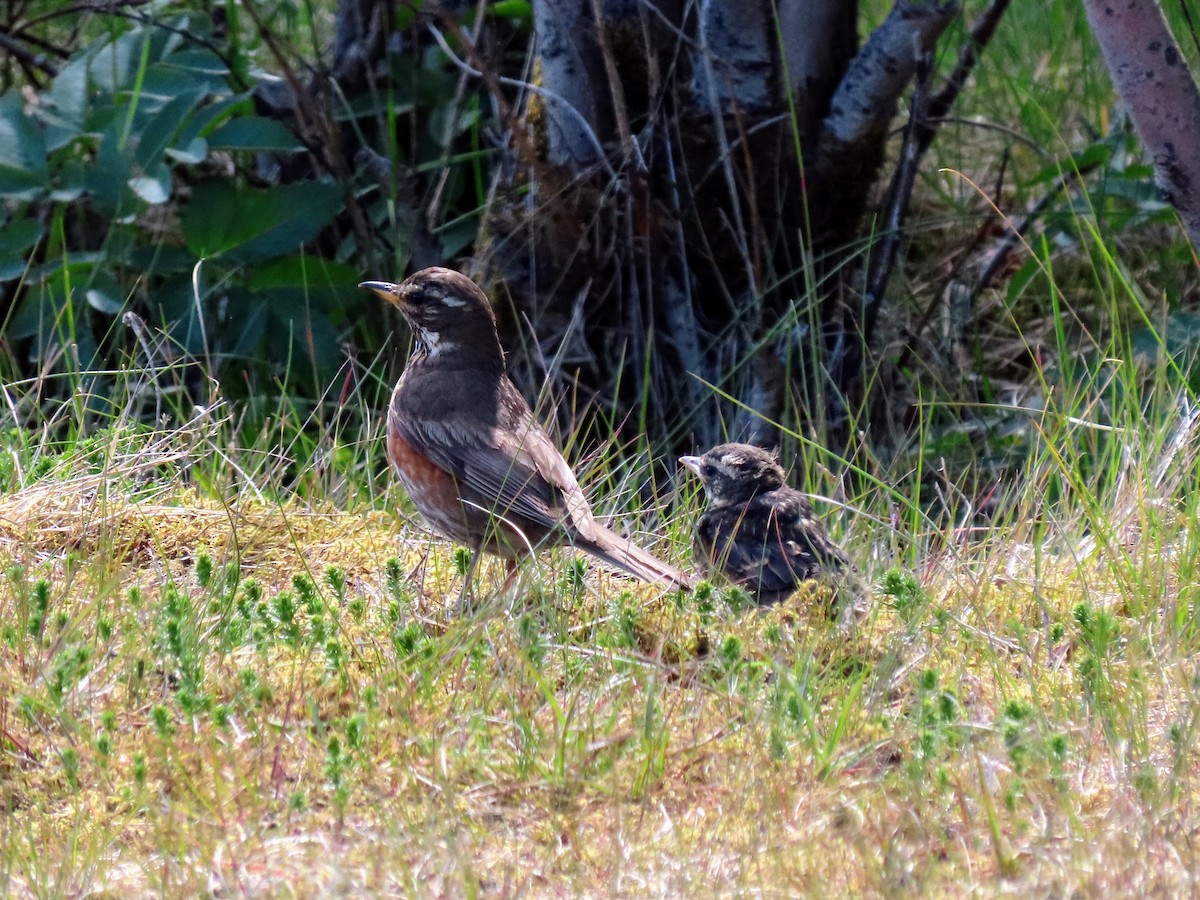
<point x="691" y="462"/>
<point x="385" y="289"/>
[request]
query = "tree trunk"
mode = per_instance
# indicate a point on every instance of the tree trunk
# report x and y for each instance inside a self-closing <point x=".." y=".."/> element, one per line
<point x="702" y="269"/>
<point x="1153" y="79"/>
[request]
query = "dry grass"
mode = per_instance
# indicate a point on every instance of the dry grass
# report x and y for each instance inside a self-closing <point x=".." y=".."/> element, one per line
<point x="1023" y="723"/>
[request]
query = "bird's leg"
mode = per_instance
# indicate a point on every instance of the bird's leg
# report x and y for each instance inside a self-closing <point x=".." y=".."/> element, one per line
<point x="468" y="577"/>
<point x="512" y="575"/>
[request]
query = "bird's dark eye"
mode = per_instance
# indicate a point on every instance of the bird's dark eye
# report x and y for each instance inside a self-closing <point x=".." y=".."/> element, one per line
<point x="708" y="470"/>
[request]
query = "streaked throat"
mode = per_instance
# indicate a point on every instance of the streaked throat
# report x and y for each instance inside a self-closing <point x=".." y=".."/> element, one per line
<point x="430" y="343"/>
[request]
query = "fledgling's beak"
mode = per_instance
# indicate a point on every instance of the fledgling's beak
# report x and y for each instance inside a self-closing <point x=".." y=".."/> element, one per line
<point x="385" y="289"/>
<point x="691" y="462"/>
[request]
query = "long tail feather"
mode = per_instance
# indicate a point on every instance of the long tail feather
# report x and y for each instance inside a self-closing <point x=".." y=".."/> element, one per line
<point x="616" y="551"/>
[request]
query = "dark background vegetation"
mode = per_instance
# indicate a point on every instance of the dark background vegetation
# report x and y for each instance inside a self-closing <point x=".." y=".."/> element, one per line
<point x="196" y="190"/>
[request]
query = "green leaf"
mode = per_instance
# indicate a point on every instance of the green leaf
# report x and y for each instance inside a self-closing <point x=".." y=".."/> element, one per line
<point x="254" y="133"/>
<point x="19" y="236"/>
<point x="17" y="239"/>
<point x="251" y="225"/>
<point x="162" y="85"/>
<point x="190" y="155"/>
<point x="366" y="106"/>
<point x="204" y="67"/>
<point x="105" y="294"/>
<point x="242" y="332"/>
<point x="160" y="259"/>
<point x="1138" y="171"/>
<point x="172" y="307"/>
<point x="323" y="283"/>
<point x="463" y="119"/>
<point x="207" y="118"/>
<point x="33" y="316"/>
<point x="114" y="67"/>
<point x="77" y="265"/>
<point x="313" y="340"/>
<point x="10" y="270"/>
<point x="457" y="235"/>
<point x="1098" y="154"/>
<point x="23" y="171"/>
<point x="1020" y="280"/>
<point x="44" y="302"/>
<point x="71" y="181"/>
<point x="108" y="178"/>
<point x="157" y="132"/>
<point x="153" y="187"/>
<point x="1179" y="337"/>
<point x="511" y="9"/>
<point x="64" y="106"/>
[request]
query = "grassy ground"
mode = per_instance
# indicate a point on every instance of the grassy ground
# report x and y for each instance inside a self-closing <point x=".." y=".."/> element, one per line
<point x="205" y="689"/>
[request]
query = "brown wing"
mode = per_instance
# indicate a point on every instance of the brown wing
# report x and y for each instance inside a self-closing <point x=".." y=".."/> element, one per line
<point x="745" y="551"/>
<point x="512" y="474"/>
<point x="802" y="534"/>
<point x="769" y="545"/>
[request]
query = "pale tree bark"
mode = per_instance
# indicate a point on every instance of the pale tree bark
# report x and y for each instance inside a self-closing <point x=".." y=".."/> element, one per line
<point x="865" y="101"/>
<point x="572" y="68"/>
<point x="1153" y="80"/>
<point x="819" y="38"/>
<point x="735" y="69"/>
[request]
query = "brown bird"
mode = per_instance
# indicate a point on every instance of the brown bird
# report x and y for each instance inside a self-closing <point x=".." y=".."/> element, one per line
<point x="467" y="447"/>
<point x="756" y="531"/>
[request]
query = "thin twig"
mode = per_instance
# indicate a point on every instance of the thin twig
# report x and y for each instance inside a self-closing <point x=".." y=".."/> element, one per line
<point x="434" y="207"/>
<point x="629" y="147"/>
<point x="317" y="131"/>
<point x="493" y="81"/>
<point x="982" y="30"/>
<point x="29" y="61"/>
<point x="899" y="194"/>
<point x="102" y="7"/>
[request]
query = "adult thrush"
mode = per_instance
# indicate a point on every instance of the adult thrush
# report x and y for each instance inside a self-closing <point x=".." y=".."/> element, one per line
<point x="467" y="447"/>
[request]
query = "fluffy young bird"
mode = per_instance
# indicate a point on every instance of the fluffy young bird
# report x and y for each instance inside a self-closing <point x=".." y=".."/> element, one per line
<point x="756" y="531"/>
<point x="467" y="447"/>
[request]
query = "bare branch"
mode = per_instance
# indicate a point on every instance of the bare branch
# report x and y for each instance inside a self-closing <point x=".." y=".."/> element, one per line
<point x="865" y="101"/>
<point x="982" y="30"/>
<point x="31" y="62"/>
<point x="963" y="288"/>
<point x="629" y="148"/>
<point x="883" y="261"/>
<point x="925" y="116"/>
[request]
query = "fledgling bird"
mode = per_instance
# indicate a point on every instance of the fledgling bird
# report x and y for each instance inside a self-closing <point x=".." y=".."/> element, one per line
<point x="467" y="447"/>
<point x="756" y="531"/>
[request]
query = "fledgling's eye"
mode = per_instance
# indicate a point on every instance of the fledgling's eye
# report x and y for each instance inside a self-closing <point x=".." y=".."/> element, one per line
<point x="709" y="470"/>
